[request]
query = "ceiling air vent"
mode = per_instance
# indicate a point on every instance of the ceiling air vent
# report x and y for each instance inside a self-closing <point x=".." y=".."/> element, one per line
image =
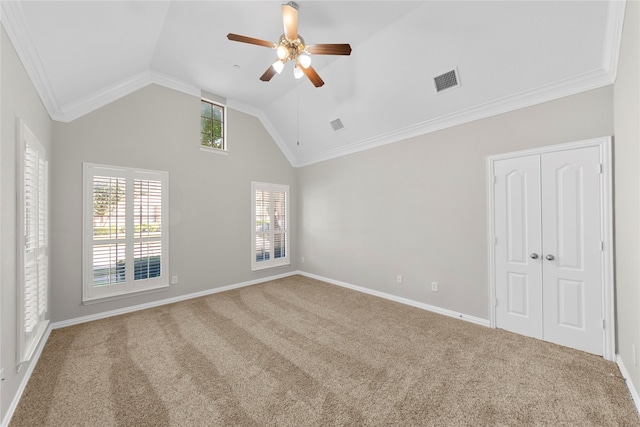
<point x="336" y="124"/>
<point x="446" y="81"/>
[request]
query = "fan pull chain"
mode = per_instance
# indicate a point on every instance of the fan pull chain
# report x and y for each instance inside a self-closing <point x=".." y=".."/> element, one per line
<point x="298" y="114"/>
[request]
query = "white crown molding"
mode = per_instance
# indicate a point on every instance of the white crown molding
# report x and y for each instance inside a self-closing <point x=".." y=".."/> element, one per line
<point x="604" y="76"/>
<point x="175" y="84"/>
<point x="571" y="86"/>
<point x="271" y="130"/>
<point x="14" y="22"/>
<point x="98" y="99"/>
<point x="17" y="29"/>
<point x="120" y="89"/>
<point x="613" y="37"/>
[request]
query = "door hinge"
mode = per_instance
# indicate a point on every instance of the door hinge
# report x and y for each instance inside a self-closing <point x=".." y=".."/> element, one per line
<point x="494" y="179"/>
<point x="602" y="245"/>
<point x="600" y="168"/>
<point x="496" y="302"/>
<point x="603" y="324"/>
<point x="495" y="240"/>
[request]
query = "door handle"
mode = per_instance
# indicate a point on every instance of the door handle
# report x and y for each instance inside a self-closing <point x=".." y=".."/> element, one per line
<point x="533" y="256"/>
<point x="550" y="257"/>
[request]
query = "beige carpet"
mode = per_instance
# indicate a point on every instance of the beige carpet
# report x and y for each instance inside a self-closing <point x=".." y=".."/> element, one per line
<point x="296" y="352"/>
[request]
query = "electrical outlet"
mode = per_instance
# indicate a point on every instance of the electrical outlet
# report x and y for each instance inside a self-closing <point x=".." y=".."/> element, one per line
<point x="434" y="286"/>
<point x="399" y="278"/>
<point x="174" y="280"/>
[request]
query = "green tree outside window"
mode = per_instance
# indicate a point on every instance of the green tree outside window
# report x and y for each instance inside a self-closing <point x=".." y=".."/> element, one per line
<point x="212" y="125"/>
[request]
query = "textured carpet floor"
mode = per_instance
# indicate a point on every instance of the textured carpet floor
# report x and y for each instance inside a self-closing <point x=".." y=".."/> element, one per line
<point x="296" y="352"/>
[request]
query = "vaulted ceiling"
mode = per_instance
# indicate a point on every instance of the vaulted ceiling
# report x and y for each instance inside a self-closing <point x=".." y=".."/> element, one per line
<point x="82" y="55"/>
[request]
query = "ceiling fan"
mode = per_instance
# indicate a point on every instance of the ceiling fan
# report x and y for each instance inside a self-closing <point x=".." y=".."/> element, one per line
<point x="291" y="47"/>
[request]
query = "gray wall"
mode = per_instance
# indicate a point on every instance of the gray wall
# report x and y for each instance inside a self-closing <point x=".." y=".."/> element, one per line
<point x="209" y="194"/>
<point x="18" y="99"/>
<point x="627" y="191"/>
<point x="419" y="207"/>
<point x="416" y="208"/>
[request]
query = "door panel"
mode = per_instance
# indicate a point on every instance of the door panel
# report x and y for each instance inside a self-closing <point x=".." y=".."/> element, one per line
<point x="518" y="295"/>
<point x="571" y="304"/>
<point x="568" y="204"/>
<point x="518" y="235"/>
<point x="571" y="224"/>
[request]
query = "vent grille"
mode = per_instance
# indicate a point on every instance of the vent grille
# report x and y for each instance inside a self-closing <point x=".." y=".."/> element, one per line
<point x="336" y="124"/>
<point x="446" y="81"/>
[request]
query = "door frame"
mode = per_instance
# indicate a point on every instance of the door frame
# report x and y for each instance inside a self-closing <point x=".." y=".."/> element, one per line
<point x="606" y="195"/>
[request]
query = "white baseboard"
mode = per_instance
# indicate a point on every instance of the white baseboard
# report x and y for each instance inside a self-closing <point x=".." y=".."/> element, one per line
<point x="625" y="374"/>
<point x="25" y="378"/>
<point x="479" y="321"/>
<point x="111" y="313"/>
<point x="401" y="300"/>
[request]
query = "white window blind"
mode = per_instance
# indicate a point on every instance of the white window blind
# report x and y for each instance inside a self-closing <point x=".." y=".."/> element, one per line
<point x="33" y="259"/>
<point x="126" y="233"/>
<point x="270" y="225"/>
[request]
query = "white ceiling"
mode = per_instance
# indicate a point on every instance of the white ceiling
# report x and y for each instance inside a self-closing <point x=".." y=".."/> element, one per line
<point x="509" y="54"/>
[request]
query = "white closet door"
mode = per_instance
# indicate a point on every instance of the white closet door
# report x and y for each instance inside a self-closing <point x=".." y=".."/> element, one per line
<point x="571" y="236"/>
<point x="518" y="248"/>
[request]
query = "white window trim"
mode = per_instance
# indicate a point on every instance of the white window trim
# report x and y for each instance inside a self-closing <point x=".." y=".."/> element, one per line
<point x="28" y="342"/>
<point x="225" y="150"/>
<point x="92" y="294"/>
<point x="272" y="262"/>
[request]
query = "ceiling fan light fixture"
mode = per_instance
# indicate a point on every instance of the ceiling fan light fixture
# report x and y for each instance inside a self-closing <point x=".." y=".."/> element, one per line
<point x="282" y="52"/>
<point x="304" y="61"/>
<point x="278" y="66"/>
<point x="292" y="47"/>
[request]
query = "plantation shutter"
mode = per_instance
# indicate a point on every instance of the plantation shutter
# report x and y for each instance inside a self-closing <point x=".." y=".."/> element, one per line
<point x="32" y="227"/>
<point x="270" y="222"/>
<point x="147" y="228"/>
<point x="126" y="241"/>
<point x="31" y="211"/>
<point x="279" y="224"/>
<point x="108" y="229"/>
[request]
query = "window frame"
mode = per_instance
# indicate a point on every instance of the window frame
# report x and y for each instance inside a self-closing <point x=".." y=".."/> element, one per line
<point x="225" y="142"/>
<point x="27" y="341"/>
<point x="130" y="286"/>
<point x="271" y="262"/>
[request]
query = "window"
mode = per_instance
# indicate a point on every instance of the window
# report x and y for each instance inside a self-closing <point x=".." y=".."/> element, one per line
<point x="270" y="225"/>
<point x="125" y="218"/>
<point x="212" y="125"/>
<point x="33" y="258"/>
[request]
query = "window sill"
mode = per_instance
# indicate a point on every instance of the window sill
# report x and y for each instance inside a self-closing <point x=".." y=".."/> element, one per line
<point x="214" y="151"/>
<point x="112" y="297"/>
<point x="260" y="266"/>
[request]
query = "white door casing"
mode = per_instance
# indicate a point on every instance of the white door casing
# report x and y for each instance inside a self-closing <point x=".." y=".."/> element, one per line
<point x="575" y="288"/>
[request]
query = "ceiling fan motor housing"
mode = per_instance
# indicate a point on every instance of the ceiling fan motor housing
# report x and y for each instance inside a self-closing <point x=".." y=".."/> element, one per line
<point x="292" y="48"/>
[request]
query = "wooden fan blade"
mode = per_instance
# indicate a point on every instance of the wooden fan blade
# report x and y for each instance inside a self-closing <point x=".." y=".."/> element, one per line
<point x="313" y="76"/>
<point x="250" y="40"/>
<point x="329" y="49"/>
<point x="268" y="75"/>
<point x="290" y="21"/>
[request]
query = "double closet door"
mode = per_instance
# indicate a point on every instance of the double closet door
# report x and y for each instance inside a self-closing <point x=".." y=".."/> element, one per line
<point x="548" y="247"/>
